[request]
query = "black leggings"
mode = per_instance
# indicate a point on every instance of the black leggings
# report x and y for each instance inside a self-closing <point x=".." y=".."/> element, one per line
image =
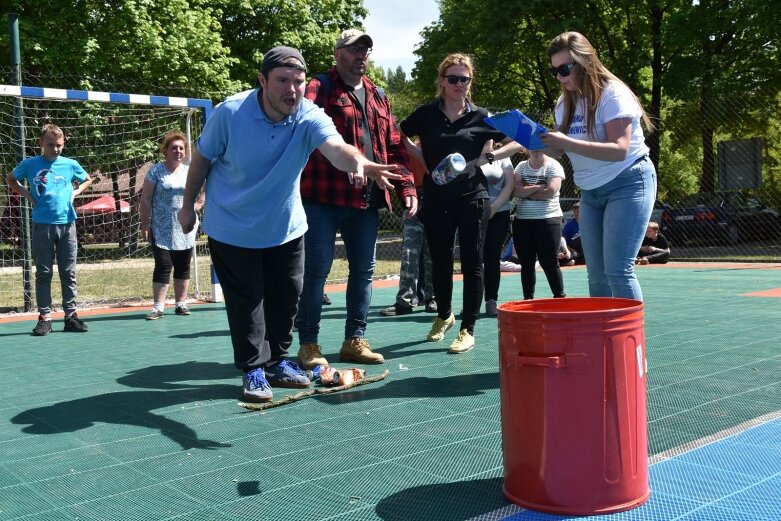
<point x="179" y="260"/>
<point x="539" y="239"/>
<point x="498" y="230"/>
<point x="440" y="224"/>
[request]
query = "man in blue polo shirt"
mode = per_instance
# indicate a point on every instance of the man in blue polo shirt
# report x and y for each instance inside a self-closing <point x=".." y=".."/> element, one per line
<point x="251" y="154"/>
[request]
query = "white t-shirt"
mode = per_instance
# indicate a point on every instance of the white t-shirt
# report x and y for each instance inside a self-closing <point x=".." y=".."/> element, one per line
<point x="538" y="208"/>
<point x="617" y="101"/>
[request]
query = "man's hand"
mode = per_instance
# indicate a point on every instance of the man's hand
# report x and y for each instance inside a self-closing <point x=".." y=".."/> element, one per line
<point x="187" y="219"/>
<point x="410" y="206"/>
<point x="382" y="174"/>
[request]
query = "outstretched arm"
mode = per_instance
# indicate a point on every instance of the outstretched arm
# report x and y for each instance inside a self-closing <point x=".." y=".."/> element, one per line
<point x="349" y="159"/>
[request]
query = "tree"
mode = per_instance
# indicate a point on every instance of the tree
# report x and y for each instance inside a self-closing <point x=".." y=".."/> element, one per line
<point x="204" y="48"/>
<point x="164" y="43"/>
<point x="250" y="27"/>
<point x="710" y="52"/>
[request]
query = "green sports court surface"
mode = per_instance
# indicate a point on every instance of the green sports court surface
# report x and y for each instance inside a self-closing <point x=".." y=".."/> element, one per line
<point x="139" y="420"/>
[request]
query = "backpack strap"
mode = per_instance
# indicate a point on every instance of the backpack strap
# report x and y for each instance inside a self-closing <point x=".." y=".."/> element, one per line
<point x="325" y="88"/>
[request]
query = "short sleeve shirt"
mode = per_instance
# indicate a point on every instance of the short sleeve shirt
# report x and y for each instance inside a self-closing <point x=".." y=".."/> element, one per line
<point x="494" y="175"/>
<point x="617" y="102"/>
<point x="51" y="185"/>
<point x="167" y="200"/>
<point x="529" y="208"/>
<point x="440" y="137"/>
<point x="253" y="197"/>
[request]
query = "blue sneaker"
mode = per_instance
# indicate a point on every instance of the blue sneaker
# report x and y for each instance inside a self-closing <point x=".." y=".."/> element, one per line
<point x="286" y="373"/>
<point x="256" y="388"/>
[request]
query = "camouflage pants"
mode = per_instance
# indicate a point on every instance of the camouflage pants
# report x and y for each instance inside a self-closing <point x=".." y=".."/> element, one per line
<point x="413" y="246"/>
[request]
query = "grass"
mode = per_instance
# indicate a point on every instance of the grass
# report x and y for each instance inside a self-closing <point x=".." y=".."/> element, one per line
<point x="130" y="281"/>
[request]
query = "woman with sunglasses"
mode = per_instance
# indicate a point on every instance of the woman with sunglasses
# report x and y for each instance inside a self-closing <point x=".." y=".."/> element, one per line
<point x="599" y="127"/>
<point x="450" y="124"/>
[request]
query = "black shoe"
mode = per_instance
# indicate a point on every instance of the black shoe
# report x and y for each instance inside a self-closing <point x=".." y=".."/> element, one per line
<point x="395" y="310"/>
<point x="326" y="300"/>
<point x="431" y="306"/>
<point x="74" y="325"/>
<point x="182" y="310"/>
<point x="43" y="327"/>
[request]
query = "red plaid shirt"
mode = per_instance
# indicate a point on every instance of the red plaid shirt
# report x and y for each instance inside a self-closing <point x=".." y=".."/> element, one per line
<point x="321" y="181"/>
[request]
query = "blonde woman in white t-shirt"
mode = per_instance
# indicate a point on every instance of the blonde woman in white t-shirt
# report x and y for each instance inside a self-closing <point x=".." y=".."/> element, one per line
<point x="537" y="224"/>
<point x="599" y="126"/>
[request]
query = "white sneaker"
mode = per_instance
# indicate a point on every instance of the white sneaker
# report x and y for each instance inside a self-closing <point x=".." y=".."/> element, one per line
<point x="155" y="314"/>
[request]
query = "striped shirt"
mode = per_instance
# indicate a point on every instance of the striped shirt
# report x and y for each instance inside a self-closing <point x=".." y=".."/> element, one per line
<point x="538" y="208"/>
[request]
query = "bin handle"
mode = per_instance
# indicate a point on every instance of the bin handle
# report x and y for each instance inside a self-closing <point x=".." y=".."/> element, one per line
<point x="552" y="361"/>
<point x="570" y="360"/>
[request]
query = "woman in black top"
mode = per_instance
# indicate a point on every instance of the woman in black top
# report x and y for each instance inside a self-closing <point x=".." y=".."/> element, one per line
<point x="452" y="123"/>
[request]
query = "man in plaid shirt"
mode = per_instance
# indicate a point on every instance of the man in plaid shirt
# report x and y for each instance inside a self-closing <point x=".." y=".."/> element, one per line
<point x="362" y="115"/>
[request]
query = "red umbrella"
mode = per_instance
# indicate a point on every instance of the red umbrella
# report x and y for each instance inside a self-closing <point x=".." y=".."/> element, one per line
<point x="105" y="204"/>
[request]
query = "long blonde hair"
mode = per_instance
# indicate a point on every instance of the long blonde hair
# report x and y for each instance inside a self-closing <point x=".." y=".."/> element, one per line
<point x="449" y="61"/>
<point x="593" y="77"/>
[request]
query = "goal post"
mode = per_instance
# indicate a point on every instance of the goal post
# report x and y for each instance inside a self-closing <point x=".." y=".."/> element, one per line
<point x="116" y="138"/>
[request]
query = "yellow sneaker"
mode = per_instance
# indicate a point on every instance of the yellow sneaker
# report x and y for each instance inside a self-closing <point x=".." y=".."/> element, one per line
<point x="310" y="355"/>
<point x="439" y="327"/>
<point x="357" y="349"/>
<point x="463" y="342"/>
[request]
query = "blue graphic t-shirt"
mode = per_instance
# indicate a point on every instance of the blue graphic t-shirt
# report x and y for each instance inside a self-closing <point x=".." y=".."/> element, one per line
<point x="51" y="185"/>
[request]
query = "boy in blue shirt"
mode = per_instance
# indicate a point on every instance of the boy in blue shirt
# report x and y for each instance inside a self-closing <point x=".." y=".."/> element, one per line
<point x="50" y="177"/>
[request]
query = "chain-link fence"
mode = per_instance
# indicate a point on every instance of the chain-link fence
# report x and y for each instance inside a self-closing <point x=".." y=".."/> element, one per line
<point x="719" y="188"/>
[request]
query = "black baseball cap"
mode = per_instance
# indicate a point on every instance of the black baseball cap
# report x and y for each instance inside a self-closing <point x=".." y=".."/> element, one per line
<point x="282" y="56"/>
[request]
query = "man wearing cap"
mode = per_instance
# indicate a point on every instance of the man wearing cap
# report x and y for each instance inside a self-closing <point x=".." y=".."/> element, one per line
<point x="362" y="115"/>
<point x="251" y="154"/>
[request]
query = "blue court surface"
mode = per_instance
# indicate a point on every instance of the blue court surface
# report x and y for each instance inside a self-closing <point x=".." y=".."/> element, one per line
<point x="737" y="478"/>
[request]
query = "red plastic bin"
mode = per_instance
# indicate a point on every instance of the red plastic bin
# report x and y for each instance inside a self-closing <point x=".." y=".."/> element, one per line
<point x="573" y="397"/>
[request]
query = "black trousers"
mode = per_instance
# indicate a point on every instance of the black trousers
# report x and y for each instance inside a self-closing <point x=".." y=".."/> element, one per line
<point x="539" y="239"/>
<point x="260" y="331"/>
<point x="440" y="223"/>
<point x="498" y="230"/>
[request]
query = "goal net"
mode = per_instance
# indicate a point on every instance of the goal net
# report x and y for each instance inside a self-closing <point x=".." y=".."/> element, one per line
<point x="116" y="138"/>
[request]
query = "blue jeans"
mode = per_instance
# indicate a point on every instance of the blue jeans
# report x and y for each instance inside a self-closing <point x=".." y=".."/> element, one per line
<point x="613" y="221"/>
<point x="359" y="233"/>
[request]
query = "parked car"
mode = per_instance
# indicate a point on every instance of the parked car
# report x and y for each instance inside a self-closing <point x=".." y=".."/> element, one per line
<point x="659" y="208"/>
<point x="720" y="217"/>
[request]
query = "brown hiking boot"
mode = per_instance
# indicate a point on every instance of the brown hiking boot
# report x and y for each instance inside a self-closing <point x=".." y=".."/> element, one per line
<point x="357" y="349"/>
<point x="309" y="355"/>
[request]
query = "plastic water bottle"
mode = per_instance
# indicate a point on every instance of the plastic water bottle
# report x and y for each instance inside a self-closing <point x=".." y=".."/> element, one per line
<point x="449" y="168"/>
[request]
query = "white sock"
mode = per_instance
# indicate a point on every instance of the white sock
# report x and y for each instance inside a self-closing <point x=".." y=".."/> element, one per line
<point x="159" y="306"/>
<point x="180" y="304"/>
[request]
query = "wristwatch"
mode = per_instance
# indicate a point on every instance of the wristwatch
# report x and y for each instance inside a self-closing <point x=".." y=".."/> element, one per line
<point x="490" y="157"/>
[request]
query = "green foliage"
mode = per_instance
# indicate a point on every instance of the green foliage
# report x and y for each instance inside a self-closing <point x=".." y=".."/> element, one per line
<point x="702" y="67"/>
<point x="250" y="27"/>
<point x="204" y="48"/>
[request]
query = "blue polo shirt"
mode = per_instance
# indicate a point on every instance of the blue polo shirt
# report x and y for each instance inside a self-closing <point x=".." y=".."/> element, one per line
<point x="51" y="185"/>
<point x="252" y="190"/>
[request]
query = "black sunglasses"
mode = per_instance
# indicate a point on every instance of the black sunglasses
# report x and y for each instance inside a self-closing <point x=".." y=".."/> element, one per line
<point x="453" y="79"/>
<point x="562" y="70"/>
